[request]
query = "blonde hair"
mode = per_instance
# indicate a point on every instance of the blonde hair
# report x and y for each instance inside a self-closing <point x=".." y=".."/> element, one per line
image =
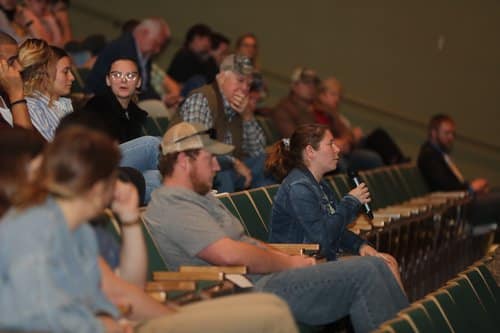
<point x="34" y="57"/>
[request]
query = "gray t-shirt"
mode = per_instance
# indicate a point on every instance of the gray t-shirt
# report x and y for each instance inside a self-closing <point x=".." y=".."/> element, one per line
<point x="183" y="223"/>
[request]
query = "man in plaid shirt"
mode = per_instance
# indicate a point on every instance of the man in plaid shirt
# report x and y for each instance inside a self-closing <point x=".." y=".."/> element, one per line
<point x="226" y="106"/>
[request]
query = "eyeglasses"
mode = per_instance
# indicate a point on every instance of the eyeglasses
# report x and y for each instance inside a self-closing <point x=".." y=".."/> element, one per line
<point x="129" y="76"/>
<point x="212" y="133"/>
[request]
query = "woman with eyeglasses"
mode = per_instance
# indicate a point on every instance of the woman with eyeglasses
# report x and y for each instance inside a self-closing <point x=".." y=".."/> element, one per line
<point x="47" y="78"/>
<point x="117" y="107"/>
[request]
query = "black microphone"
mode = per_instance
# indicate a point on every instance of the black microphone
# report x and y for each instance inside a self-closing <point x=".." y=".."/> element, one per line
<point x="367" y="209"/>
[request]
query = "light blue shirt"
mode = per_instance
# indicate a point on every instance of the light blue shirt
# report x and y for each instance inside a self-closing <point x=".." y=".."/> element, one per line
<point x="46" y="118"/>
<point x="49" y="275"/>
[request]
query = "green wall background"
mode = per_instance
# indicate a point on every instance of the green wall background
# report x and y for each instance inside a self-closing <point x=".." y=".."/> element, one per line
<point x="399" y="61"/>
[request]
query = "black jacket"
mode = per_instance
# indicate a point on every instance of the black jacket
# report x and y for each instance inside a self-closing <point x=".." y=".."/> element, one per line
<point x="435" y="170"/>
<point x="122" y="124"/>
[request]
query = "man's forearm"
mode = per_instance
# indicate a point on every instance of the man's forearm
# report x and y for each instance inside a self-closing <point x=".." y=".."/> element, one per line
<point x="227" y="252"/>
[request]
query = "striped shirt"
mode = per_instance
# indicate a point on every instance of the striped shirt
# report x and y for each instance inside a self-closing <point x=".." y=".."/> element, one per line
<point x="46" y="118"/>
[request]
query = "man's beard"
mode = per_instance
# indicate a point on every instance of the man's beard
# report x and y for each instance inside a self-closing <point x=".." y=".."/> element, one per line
<point x="198" y="186"/>
<point x="445" y="148"/>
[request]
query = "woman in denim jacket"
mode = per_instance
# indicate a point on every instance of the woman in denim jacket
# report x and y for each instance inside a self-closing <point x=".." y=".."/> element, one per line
<point x="304" y="209"/>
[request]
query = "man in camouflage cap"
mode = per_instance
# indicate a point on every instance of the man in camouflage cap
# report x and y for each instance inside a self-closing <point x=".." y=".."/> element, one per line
<point x="223" y="105"/>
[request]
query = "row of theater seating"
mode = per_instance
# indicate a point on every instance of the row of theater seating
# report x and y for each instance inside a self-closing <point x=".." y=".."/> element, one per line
<point x="424" y="231"/>
<point x="469" y="302"/>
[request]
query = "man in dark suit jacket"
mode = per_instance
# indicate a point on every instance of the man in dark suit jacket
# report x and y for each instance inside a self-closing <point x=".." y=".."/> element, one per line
<point x="145" y="41"/>
<point x="442" y="174"/>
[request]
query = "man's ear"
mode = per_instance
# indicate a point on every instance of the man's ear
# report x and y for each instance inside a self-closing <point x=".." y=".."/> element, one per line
<point x="108" y="83"/>
<point x="183" y="160"/>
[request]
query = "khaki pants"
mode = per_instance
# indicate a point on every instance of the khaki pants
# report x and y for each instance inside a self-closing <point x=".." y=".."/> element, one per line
<point x="252" y="313"/>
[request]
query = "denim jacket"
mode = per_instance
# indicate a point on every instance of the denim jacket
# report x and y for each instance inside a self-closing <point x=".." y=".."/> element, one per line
<point x="49" y="276"/>
<point x="304" y="211"/>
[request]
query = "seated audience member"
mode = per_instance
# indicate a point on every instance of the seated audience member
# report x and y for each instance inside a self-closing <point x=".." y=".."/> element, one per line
<point x="304" y="209"/>
<point x="326" y="112"/>
<point x="84" y="54"/>
<point x="192" y="227"/>
<point x="224" y="106"/>
<point x="187" y="71"/>
<point x="59" y="253"/>
<point x="247" y="45"/>
<point x="117" y="108"/>
<point x="297" y="108"/>
<point x="13" y="108"/>
<point x="47" y="77"/>
<point x="218" y="51"/>
<point x="60" y="9"/>
<point x="145" y="40"/>
<point x="12" y="21"/>
<point x="19" y="148"/>
<point x="442" y="174"/>
<point x="44" y="23"/>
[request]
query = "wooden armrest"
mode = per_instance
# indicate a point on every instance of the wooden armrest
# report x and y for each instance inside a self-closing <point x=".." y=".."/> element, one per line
<point x="158" y="286"/>
<point x="188" y="276"/>
<point x="294" y="249"/>
<point x="223" y="269"/>
<point x="221" y="289"/>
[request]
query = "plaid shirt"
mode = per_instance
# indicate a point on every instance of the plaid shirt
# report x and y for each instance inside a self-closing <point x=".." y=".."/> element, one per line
<point x="195" y="109"/>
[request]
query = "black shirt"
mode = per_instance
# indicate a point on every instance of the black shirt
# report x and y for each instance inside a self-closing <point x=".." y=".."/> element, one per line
<point x="185" y="65"/>
<point x="122" y="124"/>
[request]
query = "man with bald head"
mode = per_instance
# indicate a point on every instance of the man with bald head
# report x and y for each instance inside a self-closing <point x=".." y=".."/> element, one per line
<point x="146" y="40"/>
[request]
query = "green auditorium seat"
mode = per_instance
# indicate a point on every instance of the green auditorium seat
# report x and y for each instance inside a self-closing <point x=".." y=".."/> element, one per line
<point x="484" y="294"/>
<point x="399" y="325"/>
<point x="263" y="202"/>
<point x="226" y="200"/>
<point x="151" y="127"/>
<point x="436" y="314"/>
<point x="342" y="184"/>
<point x="250" y="216"/>
<point x="162" y="123"/>
<point x="155" y="260"/>
<point x="419" y="319"/>
<point x="444" y="301"/>
<point x="469" y="307"/>
<point x="271" y="191"/>
<point x="490" y="281"/>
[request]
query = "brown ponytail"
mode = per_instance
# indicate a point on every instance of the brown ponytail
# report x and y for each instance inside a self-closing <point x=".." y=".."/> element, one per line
<point x="283" y="156"/>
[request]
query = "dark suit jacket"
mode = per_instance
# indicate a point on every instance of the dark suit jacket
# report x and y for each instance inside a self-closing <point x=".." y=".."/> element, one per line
<point x="435" y="170"/>
<point x="123" y="47"/>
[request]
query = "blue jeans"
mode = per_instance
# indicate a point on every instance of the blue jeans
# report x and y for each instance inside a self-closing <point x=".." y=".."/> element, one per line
<point x="228" y="180"/>
<point x="362" y="287"/>
<point x="142" y="154"/>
